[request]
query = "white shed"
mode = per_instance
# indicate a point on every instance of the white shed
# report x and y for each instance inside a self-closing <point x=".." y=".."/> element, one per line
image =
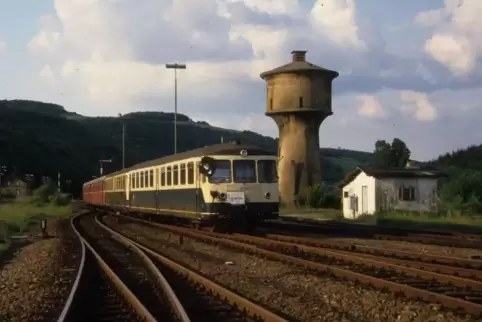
<point x="370" y="190"/>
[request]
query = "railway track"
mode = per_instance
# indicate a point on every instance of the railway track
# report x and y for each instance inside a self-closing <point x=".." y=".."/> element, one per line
<point x="161" y="288"/>
<point x="474" y="267"/>
<point x="429" y="237"/>
<point x="449" y="291"/>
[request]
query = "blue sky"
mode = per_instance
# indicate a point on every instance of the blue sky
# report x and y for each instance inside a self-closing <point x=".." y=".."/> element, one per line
<point x="407" y="69"/>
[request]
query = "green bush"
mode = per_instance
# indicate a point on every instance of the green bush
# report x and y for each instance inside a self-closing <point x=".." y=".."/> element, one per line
<point x="318" y="196"/>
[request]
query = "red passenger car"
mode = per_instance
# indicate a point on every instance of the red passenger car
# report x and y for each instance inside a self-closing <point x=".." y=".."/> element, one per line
<point x="93" y="192"/>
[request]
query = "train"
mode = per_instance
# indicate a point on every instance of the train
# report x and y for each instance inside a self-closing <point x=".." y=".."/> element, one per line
<point x="227" y="186"/>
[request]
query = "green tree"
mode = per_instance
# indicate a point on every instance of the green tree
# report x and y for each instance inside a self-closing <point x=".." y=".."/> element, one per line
<point x="395" y="155"/>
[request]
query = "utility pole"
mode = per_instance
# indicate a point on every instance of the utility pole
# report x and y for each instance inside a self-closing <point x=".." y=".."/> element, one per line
<point x="102" y="165"/>
<point x="175" y="66"/>
<point x="123" y="143"/>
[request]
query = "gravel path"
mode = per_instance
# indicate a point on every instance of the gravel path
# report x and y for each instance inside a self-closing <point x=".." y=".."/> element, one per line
<point x="291" y="291"/>
<point x="36" y="281"/>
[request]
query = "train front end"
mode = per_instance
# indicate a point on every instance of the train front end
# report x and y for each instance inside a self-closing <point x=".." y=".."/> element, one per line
<point x="241" y="189"/>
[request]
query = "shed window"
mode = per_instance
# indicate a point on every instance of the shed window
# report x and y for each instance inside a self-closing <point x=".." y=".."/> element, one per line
<point x="345" y="194"/>
<point x="163" y="176"/>
<point x="406" y="193"/>
<point x="151" y="178"/>
<point x="169" y="176"/>
<point x="175" y="175"/>
<point x="190" y="173"/>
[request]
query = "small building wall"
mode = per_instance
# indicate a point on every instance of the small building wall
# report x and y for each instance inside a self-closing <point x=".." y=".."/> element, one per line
<point x="387" y="194"/>
<point x="354" y="190"/>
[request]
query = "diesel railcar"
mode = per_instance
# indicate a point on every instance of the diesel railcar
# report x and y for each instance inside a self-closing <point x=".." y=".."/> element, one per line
<point x="229" y="183"/>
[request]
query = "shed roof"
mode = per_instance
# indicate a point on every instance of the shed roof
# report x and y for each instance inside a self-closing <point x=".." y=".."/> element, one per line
<point x="392" y="173"/>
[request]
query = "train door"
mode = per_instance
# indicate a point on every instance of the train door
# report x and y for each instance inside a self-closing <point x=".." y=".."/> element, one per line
<point x="127" y="190"/>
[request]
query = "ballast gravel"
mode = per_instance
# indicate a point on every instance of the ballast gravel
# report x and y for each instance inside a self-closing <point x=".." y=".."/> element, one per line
<point x="36" y="281"/>
<point x="286" y="290"/>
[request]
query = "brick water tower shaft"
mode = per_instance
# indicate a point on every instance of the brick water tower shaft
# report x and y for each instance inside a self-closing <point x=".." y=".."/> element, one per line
<point x="298" y="100"/>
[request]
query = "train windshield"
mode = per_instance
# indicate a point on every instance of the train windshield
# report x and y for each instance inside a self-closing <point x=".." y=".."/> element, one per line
<point x="222" y="174"/>
<point x="244" y="171"/>
<point x="267" y="171"/>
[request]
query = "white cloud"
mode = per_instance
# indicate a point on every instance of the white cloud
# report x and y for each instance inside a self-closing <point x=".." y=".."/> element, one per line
<point x="336" y="20"/>
<point x="456" y="44"/>
<point x="418" y="105"/>
<point x="430" y="18"/>
<point x="114" y="52"/>
<point x="370" y="107"/>
<point x="47" y="75"/>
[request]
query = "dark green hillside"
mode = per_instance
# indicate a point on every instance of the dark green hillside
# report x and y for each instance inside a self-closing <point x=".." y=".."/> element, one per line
<point x="44" y="139"/>
<point x="468" y="158"/>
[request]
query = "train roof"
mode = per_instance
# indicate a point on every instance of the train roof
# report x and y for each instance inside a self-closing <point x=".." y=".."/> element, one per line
<point x="231" y="148"/>
<point x="95" y="180"/>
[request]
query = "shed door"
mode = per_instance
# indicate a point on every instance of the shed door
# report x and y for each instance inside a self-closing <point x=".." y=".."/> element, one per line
<point x="364" y="199"/>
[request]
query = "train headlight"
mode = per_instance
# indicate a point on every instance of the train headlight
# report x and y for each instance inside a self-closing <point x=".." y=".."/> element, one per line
<point x="222" y="196"/>
<point x="267" y="195"/>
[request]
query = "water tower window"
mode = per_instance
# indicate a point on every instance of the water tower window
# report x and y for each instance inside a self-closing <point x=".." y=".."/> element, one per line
<point x="270" y="104"/>
<point x="301" y="102"/>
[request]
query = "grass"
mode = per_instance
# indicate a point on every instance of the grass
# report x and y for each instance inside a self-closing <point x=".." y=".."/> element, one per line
<point x="21" y="215"/>
<point x="311" y="213"/>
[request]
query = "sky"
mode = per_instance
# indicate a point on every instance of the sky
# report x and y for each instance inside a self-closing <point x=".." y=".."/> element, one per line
<point x="408" y="69"/>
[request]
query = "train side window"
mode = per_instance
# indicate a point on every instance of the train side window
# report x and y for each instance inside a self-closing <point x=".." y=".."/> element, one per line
<point x="190" y="173"/>
<point x="142" y="179"/>
<point x="146" y="179"/>
<point x="163" y="176"/>
<point x="169" y="176"/>
<point x="151" y="178"/>
<point x="175" y="174"/>
<point x="157" y="178"/>
<point x="183" y="174"/>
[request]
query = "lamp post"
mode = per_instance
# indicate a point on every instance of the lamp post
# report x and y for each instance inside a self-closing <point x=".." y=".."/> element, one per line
<point x="175" y="66"/>
<point x="102" y="165"/>
<point x="123" y="142"/>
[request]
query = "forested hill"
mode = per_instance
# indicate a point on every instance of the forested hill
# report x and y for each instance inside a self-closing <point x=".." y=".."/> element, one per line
<point x="468" y="158"/>
<point x="44" y="139"/>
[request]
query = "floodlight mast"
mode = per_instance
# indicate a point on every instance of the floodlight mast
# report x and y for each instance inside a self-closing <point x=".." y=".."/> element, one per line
<point x="175" y="66"/>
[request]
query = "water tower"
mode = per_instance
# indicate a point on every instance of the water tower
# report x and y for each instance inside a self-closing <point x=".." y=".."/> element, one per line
<point x="298" y="100"/>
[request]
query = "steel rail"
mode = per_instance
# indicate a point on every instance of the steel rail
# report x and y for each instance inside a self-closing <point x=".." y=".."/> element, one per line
<point x="161" y="280"/>
<point x="80" y="271"/>
<point x="409" y="291"/>
<point x="244" y="303"/>
<point x="381" y="252"/>
<point x="121" y="287"/>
